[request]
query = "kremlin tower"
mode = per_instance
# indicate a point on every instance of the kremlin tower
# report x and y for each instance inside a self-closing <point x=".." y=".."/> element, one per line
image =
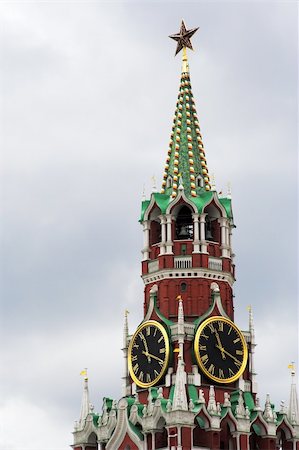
<point x="189" y="380"/>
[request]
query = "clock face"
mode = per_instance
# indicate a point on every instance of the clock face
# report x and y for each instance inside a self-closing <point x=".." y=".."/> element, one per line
<point x="148" y="354"/>
<point x="220" y="349"/>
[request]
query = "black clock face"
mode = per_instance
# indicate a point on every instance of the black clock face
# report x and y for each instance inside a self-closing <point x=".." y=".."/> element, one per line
<point x="148" y="354"/>
<point x="220" y="349"/>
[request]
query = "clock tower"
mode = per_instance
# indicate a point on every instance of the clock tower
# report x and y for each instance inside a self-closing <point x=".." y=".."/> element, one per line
<point x="189" y="379"/>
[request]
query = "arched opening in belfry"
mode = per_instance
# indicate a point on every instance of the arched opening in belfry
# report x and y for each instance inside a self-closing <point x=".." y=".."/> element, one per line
<point x="283" y="437"/>
<point x="200" y="437"/>
<point x="92" y="441"/>
<point x="199" y="181"/>
<point x="257" y="429"/>
<point x="161" y="437"/>
<point x="184" y="224"/>
<point x="155" y="226"/>
<point x="212" y="226"/>
<point x="227" y="441"/>
<point x="169" y="182"/>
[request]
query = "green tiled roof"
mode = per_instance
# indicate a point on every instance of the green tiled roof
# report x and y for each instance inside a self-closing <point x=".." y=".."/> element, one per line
<point x="199" y="202"/>
<point x="186" y="159"/>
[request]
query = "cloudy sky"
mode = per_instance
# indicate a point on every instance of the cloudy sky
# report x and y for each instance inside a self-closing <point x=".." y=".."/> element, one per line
<point x="88" y="91"/>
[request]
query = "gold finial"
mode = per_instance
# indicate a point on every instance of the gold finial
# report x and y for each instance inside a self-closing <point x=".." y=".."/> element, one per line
<point x="126" y="313"/>
<point x="292" y="367"/>
<point x="249" y="308"/>
<point x="185" y="65"/>
<point x="83" y="373"/>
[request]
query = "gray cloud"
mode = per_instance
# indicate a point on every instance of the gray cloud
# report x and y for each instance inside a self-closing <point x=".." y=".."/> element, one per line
<point x="89" y="92"/>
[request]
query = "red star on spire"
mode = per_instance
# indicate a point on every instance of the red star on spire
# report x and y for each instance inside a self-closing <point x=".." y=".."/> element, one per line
<point x="183" y="37"/>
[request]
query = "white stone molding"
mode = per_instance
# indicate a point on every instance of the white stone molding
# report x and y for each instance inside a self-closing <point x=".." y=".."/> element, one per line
<point x="122" y="428"/>
<point x="151" y="305"/>
<point x="198" y="272"/>
<point x="181" y="195"/>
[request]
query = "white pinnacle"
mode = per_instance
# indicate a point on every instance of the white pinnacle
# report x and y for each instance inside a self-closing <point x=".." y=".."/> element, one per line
<point x="85" y="405"/>
<point x="180" y="395"/>
<point x="293" y="410"/>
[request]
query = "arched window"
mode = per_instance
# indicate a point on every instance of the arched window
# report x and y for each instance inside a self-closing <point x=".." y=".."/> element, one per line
<point x="212" y="227"/>
<point x="184" y="224"/>
<point x="92" y="439"/>
<point x="199" y="181"/>
<point x="169" y="181"/>
<point x="183" y="287"/>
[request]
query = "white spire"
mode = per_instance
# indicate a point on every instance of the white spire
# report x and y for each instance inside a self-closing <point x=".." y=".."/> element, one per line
<point x="252" y="350"/>
<point x="213" y="182"/>
<point x="85" y="400"/>
<point x="125" y="353"/>
<point x="293" y="410"/>
<point x="229" y="191"/>
<point x="180" y="395"/>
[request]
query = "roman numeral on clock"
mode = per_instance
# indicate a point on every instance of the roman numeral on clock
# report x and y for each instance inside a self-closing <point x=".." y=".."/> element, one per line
<point x="211" y="369"/>
<point x="205" y="359"/>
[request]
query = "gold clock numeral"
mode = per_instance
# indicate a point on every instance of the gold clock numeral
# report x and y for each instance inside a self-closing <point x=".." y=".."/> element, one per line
<point x="202" y="347"/>
<point x="236" y="340"/>
<point x="160" y="339"/>
<point x="134" y="358"/>
<point x="148" y="331"/>
<point x="161" y="363"/>
<point x="155" y="332"/>
<point x="205" y="359"/>
<point x="156" y="373"/>
<point x="140" y="376"/>
<point x="238" y="363"/>
<point x="135" y="368"/>
<point x="220" y="326"/>
<point x="135" y="346"/>
<point x="211" y="369"/>
<point x="204" y="335"/>
<point x="162" y="350"/>
<point x="211" y="326"/>
<point x="221" y="373"/>
<point x="239" y="352"/>
<point x="148" y="378"/>
<point x="230" y="330"/>
<point x="231" y="372"/>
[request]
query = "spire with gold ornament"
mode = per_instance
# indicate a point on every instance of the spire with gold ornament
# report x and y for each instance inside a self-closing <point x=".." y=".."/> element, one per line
<point x="186" y="163"/>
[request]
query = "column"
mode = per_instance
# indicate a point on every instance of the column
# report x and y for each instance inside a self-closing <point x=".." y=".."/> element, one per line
<point x="202" y="220"/>
<point x="169" y="242"/>
<point x="224" y="237"/>
<point x="146" y="229"/>
<point x="163" y="235"/>
<point x="196" y="247"/>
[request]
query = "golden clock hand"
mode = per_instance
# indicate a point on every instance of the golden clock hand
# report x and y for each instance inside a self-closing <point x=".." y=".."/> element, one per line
<point x="229" y="354"/>
<point x="152" y="356"/>
<point x="219" y="344"/>
<point x="146" y="348"/>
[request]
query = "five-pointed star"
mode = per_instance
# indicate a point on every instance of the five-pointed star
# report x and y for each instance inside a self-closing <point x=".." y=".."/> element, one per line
<point x="183" y="38"/>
